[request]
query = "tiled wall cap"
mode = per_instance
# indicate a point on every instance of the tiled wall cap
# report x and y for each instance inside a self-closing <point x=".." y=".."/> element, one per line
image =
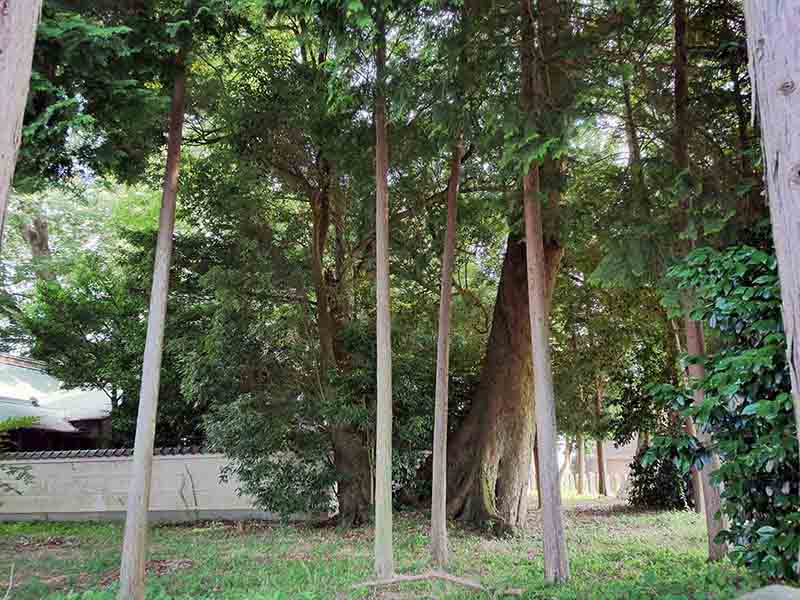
<point x="103" y="452"/>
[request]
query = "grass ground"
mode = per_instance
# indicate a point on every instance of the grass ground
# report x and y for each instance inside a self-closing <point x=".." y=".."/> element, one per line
<point x="615" y="553"/>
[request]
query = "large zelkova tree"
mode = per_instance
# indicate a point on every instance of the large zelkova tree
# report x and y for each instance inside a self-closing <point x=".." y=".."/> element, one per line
<point x="271" y="114"/>
<point x="489" y="455"/>
<point x="317" y="151"/>
<point x="774" y="69"/>
<point x="18" y="21"/>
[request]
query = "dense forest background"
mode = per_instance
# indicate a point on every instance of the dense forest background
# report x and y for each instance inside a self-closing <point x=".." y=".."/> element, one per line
<point x="656" y="227"/>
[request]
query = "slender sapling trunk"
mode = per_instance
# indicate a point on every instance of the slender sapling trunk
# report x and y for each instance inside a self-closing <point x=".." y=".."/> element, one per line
<point x="384" y="560"/>
<point x="439" y="498"/>
<point x="132" y="570"/>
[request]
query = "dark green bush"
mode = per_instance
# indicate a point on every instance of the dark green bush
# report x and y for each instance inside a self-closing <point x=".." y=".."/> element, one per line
<point x="747" y="408"/>
<point x="658" y="485"/>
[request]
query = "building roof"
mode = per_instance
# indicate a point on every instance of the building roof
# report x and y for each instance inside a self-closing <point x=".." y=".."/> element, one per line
<point x="51" y="420"/>
<point x="26" y="390"/>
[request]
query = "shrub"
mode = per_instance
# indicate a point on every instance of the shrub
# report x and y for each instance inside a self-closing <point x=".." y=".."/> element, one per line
<point x="658" y="485"/>
<point x="278" y="440"/>
<point x="747" y="409"/>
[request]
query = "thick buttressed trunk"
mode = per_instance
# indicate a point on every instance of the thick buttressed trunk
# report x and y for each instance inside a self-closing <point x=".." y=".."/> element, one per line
<point x="354" y="484"/>
<point x="489" y="457"/>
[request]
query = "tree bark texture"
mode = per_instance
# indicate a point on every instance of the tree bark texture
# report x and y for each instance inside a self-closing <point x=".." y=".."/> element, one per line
<point x="680" y="142"/>
<point x="132" y="570"/>
<point x="18" y="22"/>
<point x="490" y="454"/>
<point x="439" y="496"/>
<point x="384" y="560"/>
<point x="695" y="346"/>
<point x="774" y="50"/>
<point x="688" y="424"/>
<point x="556" y="561"/>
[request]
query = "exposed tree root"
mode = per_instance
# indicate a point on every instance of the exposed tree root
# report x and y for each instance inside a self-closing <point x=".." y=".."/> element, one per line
<point x="438" y="576"/>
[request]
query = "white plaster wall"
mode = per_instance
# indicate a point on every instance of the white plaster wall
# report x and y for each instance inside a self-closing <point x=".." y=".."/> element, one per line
<point x="184" y="487"/>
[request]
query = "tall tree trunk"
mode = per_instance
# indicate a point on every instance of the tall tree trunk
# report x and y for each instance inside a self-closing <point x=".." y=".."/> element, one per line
<point x="602" y="483"/>
<point x="320" y="224"/>
<point x="695" y="346"/>
<point x="384" y="560"/>
<point x="18" y="22"/>
<point x="774" y="50"/>
<point x="697" y="478"/>
<point x="439" y="498"/>
<point x="689" y="428"/>
<point x="556" y="561"/>
<point x="132" y="570"/>
<point x="680" y="144"/>
<point x="489" y="456"/>
<point x="580" y="487"/>
<point x="694" y="339"/>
